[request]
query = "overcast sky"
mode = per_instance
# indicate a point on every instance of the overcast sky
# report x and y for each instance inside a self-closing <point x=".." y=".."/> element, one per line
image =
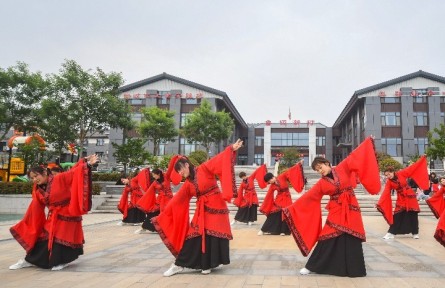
<point x="268" y="56"/>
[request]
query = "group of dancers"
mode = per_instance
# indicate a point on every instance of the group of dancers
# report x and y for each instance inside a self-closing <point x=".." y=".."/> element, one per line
<point x="202" y="243"/>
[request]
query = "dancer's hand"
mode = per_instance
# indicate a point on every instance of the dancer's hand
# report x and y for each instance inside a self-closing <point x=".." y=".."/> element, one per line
<point x="238" y="144"/>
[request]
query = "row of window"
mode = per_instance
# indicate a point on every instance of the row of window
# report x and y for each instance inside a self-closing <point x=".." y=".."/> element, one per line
<point x="393" y="118"/>
<point x="393" y="146"/>
<point x="416" y="99"/>
<point x="165" y="101"/>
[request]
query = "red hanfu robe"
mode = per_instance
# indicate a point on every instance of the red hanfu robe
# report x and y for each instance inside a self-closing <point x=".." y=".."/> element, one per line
<point x="136" y="188"/>
<point x="246" y="191"/>
<point x="211" y="215"/>
<point x="304" y="215"/>
<point x="283" y="198"/>
<point x="437" y="206"/>
<point x="67" y="197"/>
<point x="406" y="197"/>
<point x="158" y="194"/>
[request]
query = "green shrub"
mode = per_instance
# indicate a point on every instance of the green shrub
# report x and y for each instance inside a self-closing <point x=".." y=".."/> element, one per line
<point x="198" y="157"/>
<point x="26" y="188"/>
<point x="388" y="162"/>
<point x="114" y="176"/>
<point x="15" y="187"/>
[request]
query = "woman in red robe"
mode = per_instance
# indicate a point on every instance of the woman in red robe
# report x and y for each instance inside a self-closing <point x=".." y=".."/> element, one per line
<point x="247" y="200"/>
<point x="437" y="206"/>
<point x="55" y="239"/>
<point x="202" y="243"/>
<point x="404" y="219"/>
<point x="339" y="249"/>
<point x="155" y="198"/>
<point x="272" y="207"/>
<point x="135" y="188"/>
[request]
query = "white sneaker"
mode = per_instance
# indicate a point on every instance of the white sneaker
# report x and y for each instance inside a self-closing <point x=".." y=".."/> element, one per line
<point x="233" y="222"/>
<point x="305" y="271"/>
<point x="59" y="267"/>
<point x="260" y="233"/>
<point x="120" y="223"/>
<point x="173" y="270"/>
<point x="416" y="236"/>
<point x="206" y="272"/>
<point x="139" y="231"/>
<point x="388" y="236"/>
<point x="282" y="234"/>
<point x="22" y="263"/>
<point x="249" y="223"/>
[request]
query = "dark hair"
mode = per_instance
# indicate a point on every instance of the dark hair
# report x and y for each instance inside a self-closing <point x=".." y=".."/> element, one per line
<point x="268" y="176"/>
<point x="242" y="174"/>
<point x="57" y="169"/>
<point x="181" y="163"/>
<point x="39" y="170"/>
<point x="319" y="160"/>
<point x="389" y="169"/>
<point x="158" y="172"/>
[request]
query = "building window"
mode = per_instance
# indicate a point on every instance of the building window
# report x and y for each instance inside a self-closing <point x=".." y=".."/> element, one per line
<point x="259" y="140"/>
<point x="390" y="118"/>
<point x="420" y="145"/>
<point x="100" y="142"/>
<point x="442" y="117"/>
<point x="162" y="99"/>
<point x="136" y="101"/>
<point x="191" y="101"/>
<point x="420" y="99"/>
<point x="185" y="148"/>
<point x="290" y="139"/>
<point x="259" y="159"/>
<point x="242" y="160"/>
<point x="184" y="117"/>
<point x="161" y="150"/>
<point x="137" y="117"/>
<point x="389" y="99"/>
<point x="392" y="146"/>
<point x="100" y="155"/>
<point x="420" y="119"/>
<point x="321" y="141"/>
<point x="442" y="99"/>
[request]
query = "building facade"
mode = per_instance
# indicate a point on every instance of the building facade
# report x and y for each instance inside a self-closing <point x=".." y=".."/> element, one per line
<point x="268" y="141"/>
<point x="398" y="113"/>
<point x="182" y="97"/>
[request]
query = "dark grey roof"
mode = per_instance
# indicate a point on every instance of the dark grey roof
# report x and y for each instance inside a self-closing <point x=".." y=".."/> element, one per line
<point x="354" y="98"/>
<point x="164" y="75"/>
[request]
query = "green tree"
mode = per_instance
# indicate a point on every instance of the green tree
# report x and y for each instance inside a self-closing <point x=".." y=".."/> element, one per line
<point x="386" y="161"/>
<point x="290" y="157"/>
<point x="157" y="126"/>
<point x="92" y="96"/>
<point x="33" y="153"/>
<point x="131" y="153"/>
<point x="436" y="141"/>
<point x="206" y="127"/>
<point x="20" y="93"/>
<point x="198" y="157"/>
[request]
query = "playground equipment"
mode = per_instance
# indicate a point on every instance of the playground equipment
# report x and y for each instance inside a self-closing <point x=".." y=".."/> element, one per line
<point x="16" y="166"/>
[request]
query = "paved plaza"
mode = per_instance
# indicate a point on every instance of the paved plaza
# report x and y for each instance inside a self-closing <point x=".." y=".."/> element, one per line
<point x="116" y="257"/>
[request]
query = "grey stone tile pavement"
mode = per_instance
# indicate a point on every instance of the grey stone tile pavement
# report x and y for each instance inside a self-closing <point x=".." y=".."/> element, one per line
<point x="116" y="257"/>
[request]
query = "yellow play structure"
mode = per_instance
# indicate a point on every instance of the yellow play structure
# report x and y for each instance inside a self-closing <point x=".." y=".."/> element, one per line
<point x="17" y="166"/>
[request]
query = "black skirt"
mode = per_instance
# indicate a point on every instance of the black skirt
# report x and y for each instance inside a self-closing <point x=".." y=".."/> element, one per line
<point x="247" y="214"/>
<point x="61" y="254"/>
<point x="339" y="256"/>
<point x="147" y="222"/>
<point x="275" y="225"/>
<point x="134" y="215"/>
<point x="191" y="256"/>
<point x="405" y="222"/>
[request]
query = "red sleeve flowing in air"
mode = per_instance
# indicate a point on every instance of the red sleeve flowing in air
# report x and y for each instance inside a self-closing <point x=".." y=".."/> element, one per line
<point x="304" y="215"/>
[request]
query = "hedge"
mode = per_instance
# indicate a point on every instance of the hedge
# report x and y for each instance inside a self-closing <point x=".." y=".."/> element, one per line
<point x="26" y="188"/>
<point x="106" y="176"/>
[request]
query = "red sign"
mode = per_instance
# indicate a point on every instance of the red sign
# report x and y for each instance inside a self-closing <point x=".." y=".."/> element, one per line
<point x="382" y="93"/>
<point x="268" y="122"/>
<point x="414" y="93"/>
<point x="398" y="93"/>
<point x="198" y="95"/>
